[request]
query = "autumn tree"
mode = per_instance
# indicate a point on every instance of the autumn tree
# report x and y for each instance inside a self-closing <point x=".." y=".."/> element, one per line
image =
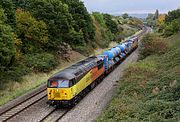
<point x="161" y="19"/>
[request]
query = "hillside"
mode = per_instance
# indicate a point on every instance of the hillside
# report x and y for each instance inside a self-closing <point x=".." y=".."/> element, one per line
<point x="149" y="89"/>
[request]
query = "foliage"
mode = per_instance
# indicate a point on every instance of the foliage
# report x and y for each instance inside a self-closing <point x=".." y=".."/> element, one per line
<point x="156" y="15"/>
<point x="42" y="62"/>
<point x="82" y="21"/>
<point x="135" y="22"/>
<point x="148" y="91"/>
<point x="152" y="44"/>
<point x="150" y="20"/>
<point x="7" y="46"/>
<point x="9" y="10"/>
<point x="172" y="15"/>
<point x="172" y="23"/>
<point x="172" y="28"/>
<point x="99" y="18"/>
<point x="161" y="19"/>
<point x="33" y="34"/>
<point x="125" y="16"/>
<point x="112" y="25"/>
<point x="57" y="17"/>
<point x="23" y="4"/>
<point x="103" y="35"/>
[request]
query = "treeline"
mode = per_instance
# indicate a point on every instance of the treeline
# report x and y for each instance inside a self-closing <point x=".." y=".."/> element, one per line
<point x="167" y="24"/>
<point x="34" y="32"/>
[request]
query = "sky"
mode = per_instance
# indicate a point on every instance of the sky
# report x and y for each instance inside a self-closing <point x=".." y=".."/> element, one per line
<point x="131" y="6"/>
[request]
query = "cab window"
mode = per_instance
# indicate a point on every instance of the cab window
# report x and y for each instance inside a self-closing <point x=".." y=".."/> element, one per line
<point x="53" y="84"/>
<point x="72" y="82"/>
<point x="63" y="83"/>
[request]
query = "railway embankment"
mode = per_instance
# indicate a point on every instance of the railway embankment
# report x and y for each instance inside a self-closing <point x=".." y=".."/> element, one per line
<point x="149" y="89"/>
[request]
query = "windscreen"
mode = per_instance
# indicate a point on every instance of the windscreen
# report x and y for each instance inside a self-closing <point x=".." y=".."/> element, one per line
<point x="58" y="84"/>
<point x="63" y="83"/>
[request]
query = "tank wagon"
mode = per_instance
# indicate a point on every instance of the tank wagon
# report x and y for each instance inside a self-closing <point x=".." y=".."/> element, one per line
<point x="68" y="86"/>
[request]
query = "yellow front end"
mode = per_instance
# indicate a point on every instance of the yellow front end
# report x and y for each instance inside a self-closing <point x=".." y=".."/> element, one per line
<point x="59" y="94"/>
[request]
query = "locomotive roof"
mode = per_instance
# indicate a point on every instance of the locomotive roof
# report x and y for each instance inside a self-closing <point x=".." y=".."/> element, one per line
<point x="76" y="69"/>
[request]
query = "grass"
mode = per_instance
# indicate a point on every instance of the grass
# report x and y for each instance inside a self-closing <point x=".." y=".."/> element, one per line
<point x="14" y="89"/>
<point x="149" y="89"/>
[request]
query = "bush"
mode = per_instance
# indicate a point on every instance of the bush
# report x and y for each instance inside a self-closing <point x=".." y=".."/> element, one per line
<point x="172" y="28"/>
<point x="43" y="62"/>
<point x="152" y="44"/>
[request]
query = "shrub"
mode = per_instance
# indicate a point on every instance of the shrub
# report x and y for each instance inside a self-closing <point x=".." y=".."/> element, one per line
<point x="43" y="62"/>
<point x="152" y="44"/>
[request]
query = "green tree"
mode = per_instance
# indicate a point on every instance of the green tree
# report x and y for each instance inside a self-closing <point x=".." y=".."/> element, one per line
<point x="172" y="15"/>
<point x="125" y="15"/>
<point x="33" y="33"/>
<point x="172" y="23"/>
<point x="9" y="10"/>
<point x="82" y="19"/>
<point x="112" y="25"/>
<point x="150" y="20"/>
<point x="156" y="15"/>
<point x="7" y="46"/>
<point x="57" y="17"/>
<point x="21" y="3"/>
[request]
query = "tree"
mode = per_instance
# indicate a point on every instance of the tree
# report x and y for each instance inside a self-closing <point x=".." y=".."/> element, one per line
<point x="57" y="17"/>
<point x="172" y="15"/>
<point x="125" y="15"/>
<point x="161" y="19"/>
<point x="172" y="22"/>
<point x="7" y="46"/>
<point x="21" y="3"/>
<point x="112" y="25"/>
<point x="82" y="19"/>
<point x="9" y="10"/>
<point x="33" y="33"/>
<point x="150" y="20"/>
<point x="156" y="15"/>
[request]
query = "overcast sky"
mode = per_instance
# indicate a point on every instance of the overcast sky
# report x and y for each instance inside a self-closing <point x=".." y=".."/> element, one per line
<point x="131" y="6"/>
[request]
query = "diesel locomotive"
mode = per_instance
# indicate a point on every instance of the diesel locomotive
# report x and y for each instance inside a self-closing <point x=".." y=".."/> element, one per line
<point x="70" y="85"/>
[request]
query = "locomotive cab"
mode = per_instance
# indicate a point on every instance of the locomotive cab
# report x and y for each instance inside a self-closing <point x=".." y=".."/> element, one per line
<point x="60" y="89"/>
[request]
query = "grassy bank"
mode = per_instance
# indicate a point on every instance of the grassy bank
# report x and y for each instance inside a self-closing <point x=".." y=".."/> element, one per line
<point x="149" y="89"/>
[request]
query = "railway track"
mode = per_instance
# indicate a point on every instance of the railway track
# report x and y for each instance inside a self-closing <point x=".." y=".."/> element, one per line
<point x="23" y="105"/>
<point x="55" y="115"/>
